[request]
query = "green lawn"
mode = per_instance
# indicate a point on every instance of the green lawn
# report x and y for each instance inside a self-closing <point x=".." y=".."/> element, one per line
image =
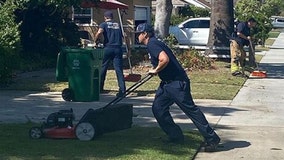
<point x="130" y="144"/>
<point x="274" y="33"/>
<point x="205" y="84"/>
<point x="135" y="143"/>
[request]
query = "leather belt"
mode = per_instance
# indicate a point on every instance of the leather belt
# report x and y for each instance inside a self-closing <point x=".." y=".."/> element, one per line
<point x="170" y="81"/>
<point x="167" y="82"/>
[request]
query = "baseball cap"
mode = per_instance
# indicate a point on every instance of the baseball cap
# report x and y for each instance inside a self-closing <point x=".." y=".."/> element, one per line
<point x="108" y="14"/>
<point x="144" y="27"/>
<point x="252" y="20"/>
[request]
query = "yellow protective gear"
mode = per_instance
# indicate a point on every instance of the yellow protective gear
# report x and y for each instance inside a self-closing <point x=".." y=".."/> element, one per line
<point x="238" y="56"/>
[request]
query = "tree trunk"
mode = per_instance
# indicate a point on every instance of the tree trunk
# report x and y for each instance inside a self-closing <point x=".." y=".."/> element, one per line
<point x="162" y="18"/>
<point x="221" y="27"/>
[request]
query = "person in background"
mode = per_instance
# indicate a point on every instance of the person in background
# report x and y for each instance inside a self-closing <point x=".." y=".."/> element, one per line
<point x="174" y="88"/>
<point x="113" y="39"/>
<point x="240" y="38"/>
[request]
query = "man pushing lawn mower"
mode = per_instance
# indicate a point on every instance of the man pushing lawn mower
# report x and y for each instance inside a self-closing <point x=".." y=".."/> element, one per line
<point x="174" y="88"/>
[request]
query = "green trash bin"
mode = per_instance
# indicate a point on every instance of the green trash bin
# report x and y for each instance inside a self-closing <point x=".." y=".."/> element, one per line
<point x="97" y="55"/>
<point x="83" y="70"/>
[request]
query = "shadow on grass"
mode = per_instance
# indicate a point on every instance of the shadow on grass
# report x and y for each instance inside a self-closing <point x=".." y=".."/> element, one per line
<point x="134" y="143"/>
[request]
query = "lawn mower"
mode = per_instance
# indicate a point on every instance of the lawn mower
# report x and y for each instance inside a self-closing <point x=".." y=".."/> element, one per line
<point x="57" y="125"/>
<point x="112" y="117"/>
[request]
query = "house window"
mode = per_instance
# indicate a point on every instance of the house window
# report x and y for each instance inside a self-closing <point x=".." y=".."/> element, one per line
<point x="82" y="16"/>
<point x="141" y="15"/>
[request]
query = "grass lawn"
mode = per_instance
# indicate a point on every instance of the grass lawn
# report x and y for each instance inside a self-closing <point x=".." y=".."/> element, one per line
<point x="205" y="84"/>
<point x="131" y="144"/>
<point x="274" y="33"/>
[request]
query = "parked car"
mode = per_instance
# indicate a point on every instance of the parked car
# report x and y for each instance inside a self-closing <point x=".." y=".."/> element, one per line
<point x="194" y="31"/>
<point x="277" y="22"/>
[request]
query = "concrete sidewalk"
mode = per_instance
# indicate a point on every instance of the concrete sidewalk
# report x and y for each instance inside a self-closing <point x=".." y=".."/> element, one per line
<point x="24" y="106"/>
<point x="256" y="127"/>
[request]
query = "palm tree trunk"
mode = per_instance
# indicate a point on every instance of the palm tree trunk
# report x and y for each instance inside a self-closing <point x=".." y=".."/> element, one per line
<point x="221" y="27"/>
<point x="162" y="18"/>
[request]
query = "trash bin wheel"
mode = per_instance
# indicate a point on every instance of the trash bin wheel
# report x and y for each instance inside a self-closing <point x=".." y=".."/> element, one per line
<point x="85" y="131"/>
<point x="67" y="94"/>
<point x="35" y="133"/>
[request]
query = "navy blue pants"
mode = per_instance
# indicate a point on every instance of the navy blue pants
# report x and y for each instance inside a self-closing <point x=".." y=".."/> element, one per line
<point x="179" y="92"/>
<point x="115" y="55"/>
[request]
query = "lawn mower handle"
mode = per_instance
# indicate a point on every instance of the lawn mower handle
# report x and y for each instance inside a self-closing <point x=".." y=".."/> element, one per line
<point x="130" y="89"/>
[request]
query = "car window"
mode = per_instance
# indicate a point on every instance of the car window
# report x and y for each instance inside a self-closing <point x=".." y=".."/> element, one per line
<point x="204" y="24"/>
<point x="280" y="20"/>
<point x="191" y="24"/>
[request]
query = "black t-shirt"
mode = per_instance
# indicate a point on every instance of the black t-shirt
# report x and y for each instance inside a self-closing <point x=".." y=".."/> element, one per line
<point x="112" y="34"/>
<point x="245" y="30"/>
<point x="173" y="71"/>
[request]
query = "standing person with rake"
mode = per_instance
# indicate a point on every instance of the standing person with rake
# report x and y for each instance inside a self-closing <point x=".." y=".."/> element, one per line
<point x="240" y="38"/>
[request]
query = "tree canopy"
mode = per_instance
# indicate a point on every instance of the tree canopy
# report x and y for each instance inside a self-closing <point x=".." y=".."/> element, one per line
<point x="9" y="40"/>
<point x="261" y="11"/>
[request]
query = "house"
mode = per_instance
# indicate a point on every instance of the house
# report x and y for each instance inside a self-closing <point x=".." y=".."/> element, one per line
<point x="200" y="3"/>
<point x="178" y="4"/>
<point x="133" y="12"/>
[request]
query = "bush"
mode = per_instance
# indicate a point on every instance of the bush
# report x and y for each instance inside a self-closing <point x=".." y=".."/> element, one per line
<point x="261" y="11"/>
<point x="45" y="29"/>
<point x="33" y="62"/>
<point x="189" y="12"/>
<point x="9" y="41"/>
<point x="189" y="58"/>
<point x="177" y="19"/>
<point x="194" y="60"/>
<point x="8" y="63"/>
<point x="193" y="11"/>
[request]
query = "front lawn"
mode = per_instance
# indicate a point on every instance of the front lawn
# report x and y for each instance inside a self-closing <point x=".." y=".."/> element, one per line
<point x="130" y="144"/>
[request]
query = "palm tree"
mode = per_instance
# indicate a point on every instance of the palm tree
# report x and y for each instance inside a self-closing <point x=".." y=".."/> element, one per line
<point x="221" y="27"/>
<point x="162" y="18"/>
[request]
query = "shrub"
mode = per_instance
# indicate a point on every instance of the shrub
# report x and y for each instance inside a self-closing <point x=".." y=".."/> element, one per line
<point x="9" y="41"/>
<point x="193" y="11"/>
<point x="177" y="19"/>
<point x="193" y="60"/>
<point x="189" y="12"/>
<point x="261" y="11"/>
<point x="45" y="28"/>
<point x="189" y="58"/>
